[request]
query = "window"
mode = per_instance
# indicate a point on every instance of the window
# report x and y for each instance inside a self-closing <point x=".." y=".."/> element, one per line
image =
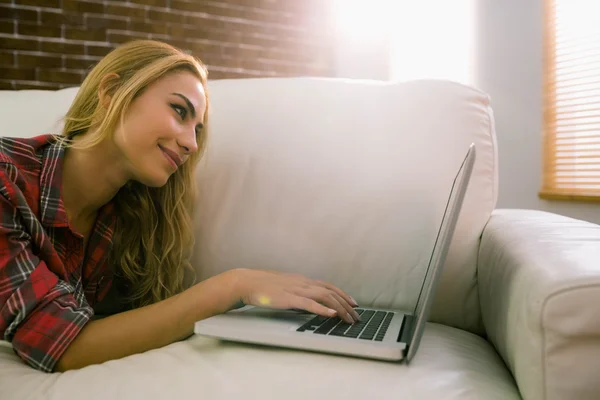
<point x="430" y="44"/>
<point x="571" y="125"/>
<point x="414" y="41"/>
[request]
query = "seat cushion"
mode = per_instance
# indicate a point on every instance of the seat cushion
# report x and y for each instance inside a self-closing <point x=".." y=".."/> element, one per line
<point x="450" y="364"/>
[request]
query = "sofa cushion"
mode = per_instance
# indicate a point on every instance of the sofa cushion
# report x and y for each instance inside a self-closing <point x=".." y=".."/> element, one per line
<point x="27" y="113"/>
<point x="342" y="180"/>
<point x="450" y="364"/>
<point x="539" y="277"/>
<point x="347" y="181"/>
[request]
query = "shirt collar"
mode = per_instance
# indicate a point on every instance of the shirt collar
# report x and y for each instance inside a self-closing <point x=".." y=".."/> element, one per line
<point x="52" y="208"/>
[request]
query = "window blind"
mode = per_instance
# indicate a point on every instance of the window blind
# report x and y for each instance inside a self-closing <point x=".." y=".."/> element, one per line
<point x="571" y="124"/>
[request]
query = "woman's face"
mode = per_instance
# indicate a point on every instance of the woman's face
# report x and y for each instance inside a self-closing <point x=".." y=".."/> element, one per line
<point x="162" y="127"/>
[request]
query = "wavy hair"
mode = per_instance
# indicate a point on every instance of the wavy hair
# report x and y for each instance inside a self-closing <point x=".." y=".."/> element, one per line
<point x="153" y="237"/>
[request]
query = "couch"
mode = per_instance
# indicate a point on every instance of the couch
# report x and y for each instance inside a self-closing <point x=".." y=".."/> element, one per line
<point x="346" y="181"/>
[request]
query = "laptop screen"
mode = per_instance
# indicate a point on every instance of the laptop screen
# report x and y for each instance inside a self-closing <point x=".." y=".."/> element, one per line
<point x="440" y="250"/>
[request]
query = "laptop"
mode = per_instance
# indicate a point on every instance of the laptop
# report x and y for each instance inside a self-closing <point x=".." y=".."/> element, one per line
<point x="381" y="334"/>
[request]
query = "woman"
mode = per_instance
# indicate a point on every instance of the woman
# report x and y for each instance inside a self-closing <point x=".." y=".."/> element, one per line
<point x="102" y="213"/>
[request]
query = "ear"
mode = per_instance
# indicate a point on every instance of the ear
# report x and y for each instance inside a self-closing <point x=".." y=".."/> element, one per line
<point x="107" y="88"/>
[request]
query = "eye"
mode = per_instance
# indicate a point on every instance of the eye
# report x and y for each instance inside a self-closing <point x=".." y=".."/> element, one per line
<point x="179" y="110"/>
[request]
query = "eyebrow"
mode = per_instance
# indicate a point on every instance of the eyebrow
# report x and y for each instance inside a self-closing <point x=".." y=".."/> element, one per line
<point x="190" y="106"/>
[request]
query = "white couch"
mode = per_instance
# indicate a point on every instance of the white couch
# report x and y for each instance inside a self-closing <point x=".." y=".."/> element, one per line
<point x="346" y="181"/>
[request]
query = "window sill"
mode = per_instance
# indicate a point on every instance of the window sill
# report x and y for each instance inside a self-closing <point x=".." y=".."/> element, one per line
<point x="592" y="198"/>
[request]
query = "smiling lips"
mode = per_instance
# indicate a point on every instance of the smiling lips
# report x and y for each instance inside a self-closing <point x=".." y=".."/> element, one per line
<point x="174" y="158"/>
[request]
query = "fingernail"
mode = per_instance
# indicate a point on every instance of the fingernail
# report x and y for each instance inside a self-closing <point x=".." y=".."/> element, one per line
<point x="354" y="301"/>
<point x="331" y="311"/>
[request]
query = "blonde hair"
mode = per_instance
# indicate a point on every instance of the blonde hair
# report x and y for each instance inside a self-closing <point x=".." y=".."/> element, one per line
<point x="153" y="237"/>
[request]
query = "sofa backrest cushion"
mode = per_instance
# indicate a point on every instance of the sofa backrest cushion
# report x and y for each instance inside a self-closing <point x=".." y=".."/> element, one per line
<point x="341" y="180"/>
<point x="347" y="181"/>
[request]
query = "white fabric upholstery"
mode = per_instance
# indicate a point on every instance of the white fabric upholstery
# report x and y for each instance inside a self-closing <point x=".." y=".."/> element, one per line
<point x="26" y="113"/>
<point x="451" y="364"/>
<point x="347" y="182"/>
<point x="342" y="180"/>
<point x="539" y="282"/>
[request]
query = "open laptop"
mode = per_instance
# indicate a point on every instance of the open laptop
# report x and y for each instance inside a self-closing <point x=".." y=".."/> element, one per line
<point x="391" y="335"/>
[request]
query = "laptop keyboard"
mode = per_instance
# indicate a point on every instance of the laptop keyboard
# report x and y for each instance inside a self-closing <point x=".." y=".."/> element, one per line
<point x="372" y="325"/>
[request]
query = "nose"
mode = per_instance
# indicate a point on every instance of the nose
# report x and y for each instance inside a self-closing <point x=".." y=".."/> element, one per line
<point x="188" y="143"/>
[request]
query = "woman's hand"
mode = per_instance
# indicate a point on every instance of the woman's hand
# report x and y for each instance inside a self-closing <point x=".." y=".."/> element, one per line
<point x="291" y="291"/>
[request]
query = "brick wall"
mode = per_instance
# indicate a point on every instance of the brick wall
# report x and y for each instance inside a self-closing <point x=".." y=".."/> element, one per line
<point x="50" y="44"/>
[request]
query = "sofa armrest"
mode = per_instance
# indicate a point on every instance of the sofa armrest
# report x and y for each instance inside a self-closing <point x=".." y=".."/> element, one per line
<point x="539" y="287"/>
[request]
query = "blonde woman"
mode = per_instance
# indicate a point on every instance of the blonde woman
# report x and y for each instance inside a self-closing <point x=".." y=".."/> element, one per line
<point x="97" y="220"/>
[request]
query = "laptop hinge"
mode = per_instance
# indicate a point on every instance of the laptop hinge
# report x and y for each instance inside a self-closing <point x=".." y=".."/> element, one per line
<point x="406" y="331"/>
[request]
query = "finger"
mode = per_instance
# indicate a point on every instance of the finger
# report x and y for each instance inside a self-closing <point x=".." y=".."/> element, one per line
<point x="305" y="303"/>
<point x="329" y="298"/>
<point x="339" y="291"/>
<point x="349" y="309"/>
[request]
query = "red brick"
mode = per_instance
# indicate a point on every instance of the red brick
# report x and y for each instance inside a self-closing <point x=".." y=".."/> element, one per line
<point x="214" y="9"/>
<point x="202" y="33"/>
<point x="80" y="62"/>
<point x="17" y="13"/>
<point x="150" y="27"/>
<point x="225" y="9"/>
<point x="18" y="44"/>
<point x="240" y="37"/>
<point x="270" y="17"/>
<point x="133" y="11"/>
<point x="247" y="37"/>
<point x="244" y="52"/>
<point x="62" y="48"/>
<point x="7" y="59"/>
<point x="83" y="6"/>
<point x="51" y="18"/>
<point x="49" y="75"/>
<point x="155" y="3"/>
<point x="209" y="58"/>
<point x="38" y="61"/>
<point x="93" y="22"/>
<point x="6" y="85"/>
<point x="282" y="32"/>
<point x="119" y="37"/>
<point x="98" y="50"/>
<point x="299" y="54"/>
<point x="202" y="20"/>
<point x="180" y="44"/>
<point x="98" y="35"/>
<point x="7" y="26"/>
<point x="194" y="6"/>
<point x="64" y="85"/>
<point x="200" y="48"/>
<point x="166" y="16"/>
<point x="176" y="30"/>
<point x="36" y="85"/>
<point x="19" y="73"/>
<point x="40" y="3"/>
<point x="255" y="3"/>
<point x="39" y="30"/>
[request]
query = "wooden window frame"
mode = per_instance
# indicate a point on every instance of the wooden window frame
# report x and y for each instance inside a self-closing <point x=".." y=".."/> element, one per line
<point x="548" y="189"/>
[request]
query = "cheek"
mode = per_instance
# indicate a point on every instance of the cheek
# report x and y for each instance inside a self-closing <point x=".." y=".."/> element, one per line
<point x="141" y="132"/>
<point x="144" y="132"/>
<point x="136" y="143"/>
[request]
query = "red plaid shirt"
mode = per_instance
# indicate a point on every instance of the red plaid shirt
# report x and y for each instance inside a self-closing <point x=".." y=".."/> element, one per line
<point x="48" y="286"/>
